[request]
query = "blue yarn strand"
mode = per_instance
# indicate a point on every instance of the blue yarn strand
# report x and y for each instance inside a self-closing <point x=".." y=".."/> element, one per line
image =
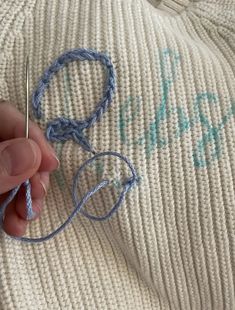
<point x="126" y="185"/>
<point x="63" y="129"/>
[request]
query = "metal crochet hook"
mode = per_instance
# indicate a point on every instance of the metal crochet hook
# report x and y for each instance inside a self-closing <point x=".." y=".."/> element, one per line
<point x="26" y="184"/>
<point x="27" y="100"/>
<point x="30" y="213"/>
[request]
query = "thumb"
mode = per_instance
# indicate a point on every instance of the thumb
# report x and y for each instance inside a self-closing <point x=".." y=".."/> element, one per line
<point x="19" y="160"/>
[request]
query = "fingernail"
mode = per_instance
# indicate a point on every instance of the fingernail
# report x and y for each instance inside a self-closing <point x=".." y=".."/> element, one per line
<point x="45" y="180"/>
<point x="37" y="208"/>
<point x="57" y="161"/>
<point x="18" y="157"/>
<point x="34" y="215"/>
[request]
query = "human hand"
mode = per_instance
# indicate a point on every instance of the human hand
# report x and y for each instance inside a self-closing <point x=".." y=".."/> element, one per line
<point x="22" y="159"/>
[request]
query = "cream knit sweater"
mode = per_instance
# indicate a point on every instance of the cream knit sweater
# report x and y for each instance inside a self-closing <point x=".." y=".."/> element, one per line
<point x="172" y="243"/>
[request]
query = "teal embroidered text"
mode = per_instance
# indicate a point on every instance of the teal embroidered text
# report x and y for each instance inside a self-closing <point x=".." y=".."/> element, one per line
<point x="207" y="149"/>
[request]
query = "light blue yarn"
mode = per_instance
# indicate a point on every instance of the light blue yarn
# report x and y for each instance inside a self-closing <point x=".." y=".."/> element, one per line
<point x="62" y="129"/>
<point x="80" y="204"/>
<point x="126" y="185"/>
<point x="11" y="196"/>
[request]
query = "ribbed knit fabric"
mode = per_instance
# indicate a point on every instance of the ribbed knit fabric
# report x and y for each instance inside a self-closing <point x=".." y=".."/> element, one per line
<point x="172" y="243"/>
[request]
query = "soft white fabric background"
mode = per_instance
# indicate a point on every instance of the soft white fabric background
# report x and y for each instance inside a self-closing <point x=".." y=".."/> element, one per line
<point x="171" y="245"/>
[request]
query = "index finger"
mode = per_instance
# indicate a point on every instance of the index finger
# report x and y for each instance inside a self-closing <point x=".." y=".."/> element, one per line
<point x="12" y="125"/>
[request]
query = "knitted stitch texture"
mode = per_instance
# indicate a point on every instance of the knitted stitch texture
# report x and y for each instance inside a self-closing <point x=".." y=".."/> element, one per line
<point x="172" y="243"/>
